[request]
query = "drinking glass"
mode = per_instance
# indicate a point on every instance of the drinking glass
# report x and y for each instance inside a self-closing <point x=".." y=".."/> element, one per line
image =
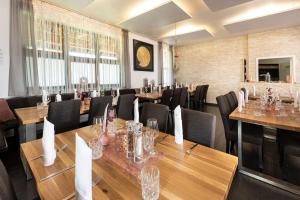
<point x="40" y="109"/>
<point x="97" y="148"/>
<point x="150" y="182"/>
<point x="152" y="124"/>
<point x="148" y="140"/>
<point x="97" y="123"/>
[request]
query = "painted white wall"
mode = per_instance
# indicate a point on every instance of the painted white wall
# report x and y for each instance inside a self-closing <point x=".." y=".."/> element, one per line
<point x="4" y="47"/>
<point x="138" y="76"/>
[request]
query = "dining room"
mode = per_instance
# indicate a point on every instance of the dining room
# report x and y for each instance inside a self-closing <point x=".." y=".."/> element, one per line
<point x="149" y="99"/>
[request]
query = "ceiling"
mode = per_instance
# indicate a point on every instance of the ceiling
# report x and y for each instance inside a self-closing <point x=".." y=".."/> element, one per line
<point x="195" y="20"/>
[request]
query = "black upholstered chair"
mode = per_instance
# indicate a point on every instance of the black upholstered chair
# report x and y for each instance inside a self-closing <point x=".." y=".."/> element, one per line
<point x="97" y="107"/>
<point x="199" y="93"/>
<point x="205" y="93"/>
<point x="67" y="96"/>
<point x="234" y="97"/>
<point x="157" y="111"/>
<point x="199" y="127"/>
<point x="175" y="101"/>
<point x="65" y="115"/>
<point x="6" y="188"/>
<point x="231" y="102"/>
<point x="291" y="162"/>
<point x="125" y="106"/>
<point x="166" y="97"/>
<point x="31" y="101"/>
<point x="127" y="91"/>
<point x="251" y="133"/>
<point x="3" y="143"/>
<point x="107" y="92"/>
<point x="183" y="97"/>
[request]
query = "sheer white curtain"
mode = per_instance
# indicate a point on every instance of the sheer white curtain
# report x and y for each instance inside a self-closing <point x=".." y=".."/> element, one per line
<point x="167" y="64"/>
<point x="70" y="46"/>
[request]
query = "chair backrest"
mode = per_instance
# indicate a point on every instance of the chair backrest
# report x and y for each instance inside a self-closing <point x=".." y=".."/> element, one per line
<point x="6" y="188"/>
<point x="97" y="107"/>
<point x="166" y="97"/>
<point x="201" y="93"/>
<point x="183" y="97"/>
<point x="205" y="90"/>
<point x="159" y="112"/>
<point x="65" y="115"/>
<point x="107" y="92"/>
<point x="125" y="106"/>
<point x="199" y="127"/>
<point x="127" y="91"/>
<point x="197" y="93"/>
<point x="234" y="98"/>
<point x="230" y="102"/>
<point x="3" y="143"/>
<point x="31" y="101"/>
<point x="67" y="96"/>
<point x="224" y="108"/>
<point x="175" y="101"/>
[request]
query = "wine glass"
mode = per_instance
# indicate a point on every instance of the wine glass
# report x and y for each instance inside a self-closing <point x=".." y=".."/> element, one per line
<point x="97" y="123"/>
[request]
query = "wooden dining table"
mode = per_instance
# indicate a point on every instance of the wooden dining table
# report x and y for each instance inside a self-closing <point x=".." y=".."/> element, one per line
<point x="204" y="173"/>
<point x="149" y="96"/>
<point x="30" y="116"/>
<point x="287" y="118"/>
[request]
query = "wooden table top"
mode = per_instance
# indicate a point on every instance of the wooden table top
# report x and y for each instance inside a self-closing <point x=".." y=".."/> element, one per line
<point x="204" y="174"/>
<point x="30" y="115"/>
<point x="284" y="99"/>
<point x="149" y="96"/>
<point x="288" y="118"/>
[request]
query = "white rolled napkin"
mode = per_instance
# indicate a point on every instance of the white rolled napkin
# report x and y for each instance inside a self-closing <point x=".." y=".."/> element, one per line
<point x="178" y="125"/>
<point x="75" y="94"/>
<point x="136" y="111"/>
<point x="48" y="143"/>
<point x="296" y="99"/>
<point x="94" y="94"/>
<point x="83" y="170"/>
<point x="247" y="96"/>
<point x="44" y="97"/>
<point x="254" y="90"/>
<point x="118" y="92"/>
<point x="240" y="102"/>
<point x="104" y="118"/>
<point x="58" y="98"/>
<point x="243" y="99"/>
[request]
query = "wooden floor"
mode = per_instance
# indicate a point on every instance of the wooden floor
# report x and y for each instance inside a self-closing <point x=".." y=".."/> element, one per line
<point x="243" y="187"/>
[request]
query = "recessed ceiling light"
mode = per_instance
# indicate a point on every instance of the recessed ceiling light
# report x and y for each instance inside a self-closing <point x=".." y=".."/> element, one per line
<point x="265" y="10"/>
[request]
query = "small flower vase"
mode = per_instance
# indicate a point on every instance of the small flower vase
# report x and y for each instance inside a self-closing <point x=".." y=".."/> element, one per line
<point x="104" y="139"/>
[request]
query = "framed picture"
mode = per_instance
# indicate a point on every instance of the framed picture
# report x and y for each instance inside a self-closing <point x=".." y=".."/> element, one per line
<point x="142" y="56"/>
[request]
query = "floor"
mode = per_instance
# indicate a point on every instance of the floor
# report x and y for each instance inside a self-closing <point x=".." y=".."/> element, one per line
<point x="243" y="187"/>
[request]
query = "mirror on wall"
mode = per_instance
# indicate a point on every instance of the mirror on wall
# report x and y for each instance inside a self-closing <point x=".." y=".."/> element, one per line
<point x="275" y="69"/>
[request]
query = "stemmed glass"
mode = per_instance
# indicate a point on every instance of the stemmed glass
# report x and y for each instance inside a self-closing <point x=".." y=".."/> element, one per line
<point x="97" y="124"/>
<point x="95" y="143"/>
<point x="150" y="182"/>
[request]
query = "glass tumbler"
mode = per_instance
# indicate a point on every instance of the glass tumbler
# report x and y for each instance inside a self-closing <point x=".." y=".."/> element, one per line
<point x="150" y="182"/>
<point x="97" y="148"/>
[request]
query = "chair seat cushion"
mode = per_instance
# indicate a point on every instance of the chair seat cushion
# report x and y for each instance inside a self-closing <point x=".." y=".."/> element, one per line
<point x="5" y="113"/>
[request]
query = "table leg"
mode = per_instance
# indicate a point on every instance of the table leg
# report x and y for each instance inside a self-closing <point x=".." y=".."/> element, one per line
<point x="240" y="144"/>
<point x="27" y="132"/>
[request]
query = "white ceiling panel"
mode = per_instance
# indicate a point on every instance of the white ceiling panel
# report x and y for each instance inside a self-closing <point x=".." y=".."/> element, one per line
<point x="216" y="5"/>
<point x="163" y="15"/>
<point x="279" y="20"/>
<point x="71" y="4"/>
<point x="189" y="37"/>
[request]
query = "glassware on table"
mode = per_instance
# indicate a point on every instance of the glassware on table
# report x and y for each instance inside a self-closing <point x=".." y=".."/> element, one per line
<point x="121" y="140"/>
<point x="150" y="178"/>
<point x="40" y="109"/>
<point x="97" y="148"/>
<point x="97" y="123"/>
<point x="111" y="114"/>
<point x="152" y="124"/>
<point x="148" y="140"/>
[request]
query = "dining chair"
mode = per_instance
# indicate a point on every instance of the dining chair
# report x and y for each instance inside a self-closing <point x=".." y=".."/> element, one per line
<point x="125" y="106"/>
<point x="3" y="143"/>
<point x="97" y="107"/>
<point x="127" y="91"/>
<point x="234" y="97"/>
<point x="230" y="102"/>
<point x="205" y="93"/>
<point x="65" y="115"/>
<point x="251" y="133"/>
<point x="6" y="188"/>
<point x="291" y="162"/>
<point x="31" y="101"/>
<point x="67" y="96"/>
<point x="196" y="98"/>
<point x="159" y="112"/>
<point x="199" y="127"/>
<point x="183" y="97"/>
<point x="175" y="101"/>
<point x="166" y="97"/>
